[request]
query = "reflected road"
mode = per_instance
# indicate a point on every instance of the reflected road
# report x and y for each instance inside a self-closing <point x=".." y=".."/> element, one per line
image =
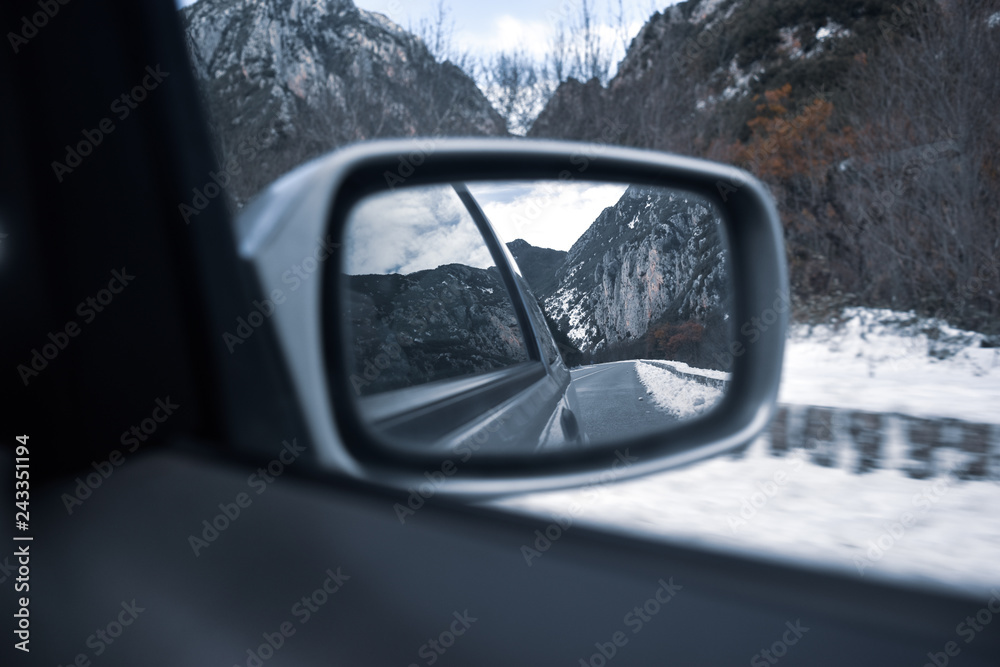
<point x="613" y="402"/>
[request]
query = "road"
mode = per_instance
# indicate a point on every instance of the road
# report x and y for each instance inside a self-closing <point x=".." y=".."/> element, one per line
<point x="610" y="406"/>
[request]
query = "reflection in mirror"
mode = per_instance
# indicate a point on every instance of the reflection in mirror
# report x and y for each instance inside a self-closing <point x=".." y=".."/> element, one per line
<point x="606" y="315"/>
<point x="425" y="298"/>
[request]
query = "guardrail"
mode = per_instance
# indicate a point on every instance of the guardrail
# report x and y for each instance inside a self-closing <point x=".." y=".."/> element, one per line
<point x="700" y="379"/>
<point x="861" y="441"/>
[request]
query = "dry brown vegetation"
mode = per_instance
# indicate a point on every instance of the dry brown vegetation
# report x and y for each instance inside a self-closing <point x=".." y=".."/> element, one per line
<point x="881" y="147"/>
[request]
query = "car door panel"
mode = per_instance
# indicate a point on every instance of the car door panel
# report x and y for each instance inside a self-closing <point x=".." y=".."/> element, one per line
<point x="401" y="584"/>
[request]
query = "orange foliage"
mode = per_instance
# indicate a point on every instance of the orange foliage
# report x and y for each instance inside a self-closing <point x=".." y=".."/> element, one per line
<point x="783" y="146"/>
<point x="672" y="340"/>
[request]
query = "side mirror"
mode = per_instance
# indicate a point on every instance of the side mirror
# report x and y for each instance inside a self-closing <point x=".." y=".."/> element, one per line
<point x="638" y="313"/>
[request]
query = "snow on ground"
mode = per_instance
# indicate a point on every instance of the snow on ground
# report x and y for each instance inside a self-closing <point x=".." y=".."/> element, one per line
<point x="680" y="397"/>
<point x="888" y="361"/>
<point x="942" y="531"/>
<point x="691" y="370"/>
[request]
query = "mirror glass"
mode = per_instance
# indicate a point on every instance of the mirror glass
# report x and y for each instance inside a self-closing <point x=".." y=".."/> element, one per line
<point x="513" y="317"/>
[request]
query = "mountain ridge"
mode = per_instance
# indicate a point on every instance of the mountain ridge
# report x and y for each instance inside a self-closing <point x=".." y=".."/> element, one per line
<point x="287" y="80"/>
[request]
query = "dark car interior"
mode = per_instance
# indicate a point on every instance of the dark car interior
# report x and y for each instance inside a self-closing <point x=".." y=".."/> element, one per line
<point x="212" y="537"/>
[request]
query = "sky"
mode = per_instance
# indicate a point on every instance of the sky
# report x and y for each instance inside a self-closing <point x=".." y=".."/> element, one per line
<point x="414" y="229"/>
<point x="526" y="24"/>
<point x="546" y="214"/>
<point x="482" y="27"/>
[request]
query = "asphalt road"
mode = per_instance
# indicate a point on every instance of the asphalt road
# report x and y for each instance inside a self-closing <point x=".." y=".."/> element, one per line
<point x="610" y="408"/>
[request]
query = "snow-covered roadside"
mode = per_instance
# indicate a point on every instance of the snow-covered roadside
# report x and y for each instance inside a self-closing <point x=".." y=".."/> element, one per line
<point x="691" y="370"/>
<point x="886" y="361"/>
<point x="680" y="397"/>
<point x="938" y="531"/>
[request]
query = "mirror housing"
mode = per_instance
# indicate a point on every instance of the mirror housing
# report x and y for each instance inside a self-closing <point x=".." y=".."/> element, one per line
<point x="291" y="234"/>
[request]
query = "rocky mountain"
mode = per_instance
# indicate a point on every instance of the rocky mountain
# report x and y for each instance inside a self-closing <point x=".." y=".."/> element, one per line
<point x="691" y="74"/>
<point x="653" y="258"/>
<point x="286" y="80"/>
<point x="840" y="107"/>
<point x="538" y="266"/>
<point x="430" y="325"/>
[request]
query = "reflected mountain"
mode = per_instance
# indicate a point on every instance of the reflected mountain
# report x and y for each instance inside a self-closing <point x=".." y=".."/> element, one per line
<point x="429" y="325"/>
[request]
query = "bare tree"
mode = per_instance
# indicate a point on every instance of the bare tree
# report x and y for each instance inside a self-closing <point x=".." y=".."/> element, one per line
<point x="557" y="60"/>
<point x="516" y="86"/>
<point x="620" y="22"/>
<point x="438" y="34"/>
<point x="592" y="58"/>
<point x="921" y="201"/>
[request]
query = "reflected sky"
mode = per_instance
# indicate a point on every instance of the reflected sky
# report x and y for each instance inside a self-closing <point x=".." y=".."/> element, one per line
<point x="546" y="214"/>
<point x="413" y="229"/>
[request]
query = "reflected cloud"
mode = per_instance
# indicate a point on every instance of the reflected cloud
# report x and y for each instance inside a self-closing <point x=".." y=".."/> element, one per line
<point x="413" y="229"/>
<point x="546" y="214"/>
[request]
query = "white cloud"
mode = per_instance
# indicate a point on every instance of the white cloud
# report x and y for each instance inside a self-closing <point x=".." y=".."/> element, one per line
<point x="412" y="230"/>
<point x="547" y="214"/>
<point x="507" y="33"/>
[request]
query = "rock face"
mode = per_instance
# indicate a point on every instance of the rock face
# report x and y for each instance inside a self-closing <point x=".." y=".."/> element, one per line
<point x="286" y="80"/>
<point x="539" y="266"/>
<point x="654" y="257"/>
<point x="690" y="75"/>
<point x="429" y="325"/>
<point x="563" y="116"/>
